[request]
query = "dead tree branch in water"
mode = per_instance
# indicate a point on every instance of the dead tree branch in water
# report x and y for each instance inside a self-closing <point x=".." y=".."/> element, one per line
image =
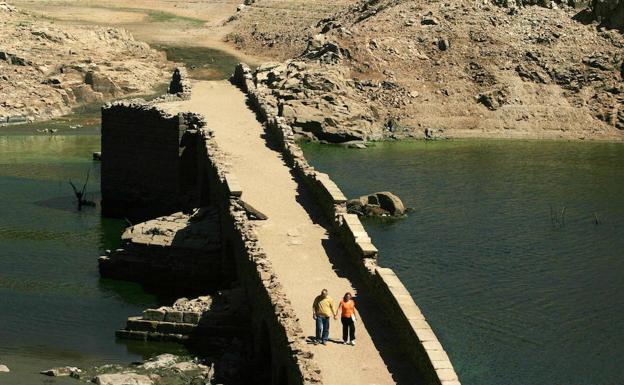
<point x="80" y="195"/>
<point x="557" y="220"/>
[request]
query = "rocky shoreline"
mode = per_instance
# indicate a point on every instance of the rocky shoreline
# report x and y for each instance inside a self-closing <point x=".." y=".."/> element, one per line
<point x="46" y="69"/>
<point x="392" y="69"/>
<point x="164" y="369"/>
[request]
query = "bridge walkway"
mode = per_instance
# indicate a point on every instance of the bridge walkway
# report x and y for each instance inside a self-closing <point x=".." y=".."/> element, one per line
<point x="303" y="254"/>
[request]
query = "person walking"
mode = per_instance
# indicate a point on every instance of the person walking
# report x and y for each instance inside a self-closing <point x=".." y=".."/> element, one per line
<point x="347" y="311"/>
<point x="322" y="310"/>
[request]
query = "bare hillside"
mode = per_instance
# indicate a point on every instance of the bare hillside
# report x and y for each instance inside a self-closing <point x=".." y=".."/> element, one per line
<point x="47" y="69"/>
<point x="449" y="69"/>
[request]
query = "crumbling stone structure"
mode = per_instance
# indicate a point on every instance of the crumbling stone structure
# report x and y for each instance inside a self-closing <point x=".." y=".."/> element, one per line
<point x="420" y="343"/>
<point x="179" y="252"/>
<point x="147" y="160"/>
<point x="282" y="354"/>
<point x="154" y="163"/>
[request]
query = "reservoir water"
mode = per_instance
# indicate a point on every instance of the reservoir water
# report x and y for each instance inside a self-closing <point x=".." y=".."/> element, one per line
<point x="54" y="308"/>
<point x="514" y="251"/>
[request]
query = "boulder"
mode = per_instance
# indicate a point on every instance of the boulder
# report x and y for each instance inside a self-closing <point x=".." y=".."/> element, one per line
<point x="102" y="83"/>
<point x="161" y="361"/>
<point x="4" y="7"/>
<point x="382" y="203"/>
<point x="318" y="101"/>
<point x="63" y="371"/>
<point x="123" y="379"/>
<point x="4" y="369"/>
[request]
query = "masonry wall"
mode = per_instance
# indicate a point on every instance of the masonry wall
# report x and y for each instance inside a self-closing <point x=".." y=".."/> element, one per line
<point x="141" y="157"/>
<point x="141" y="161"/>
<point x="281" y="351"/>
<point x="420" y="342"/>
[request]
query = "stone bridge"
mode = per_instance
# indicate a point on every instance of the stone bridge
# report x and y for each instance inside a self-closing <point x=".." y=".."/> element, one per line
<point x="219" y="144"/>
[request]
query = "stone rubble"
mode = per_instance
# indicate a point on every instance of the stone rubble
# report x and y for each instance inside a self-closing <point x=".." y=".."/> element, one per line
<point x="164" y="369"/>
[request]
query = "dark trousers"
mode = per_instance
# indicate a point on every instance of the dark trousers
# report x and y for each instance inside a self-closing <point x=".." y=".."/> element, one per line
<point x="348" y="329"/>
<point x="322" y="328"/>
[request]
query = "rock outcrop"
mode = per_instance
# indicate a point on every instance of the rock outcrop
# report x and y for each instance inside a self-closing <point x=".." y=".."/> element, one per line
<point x="63" y="371"/>
<point x="500" y="68"/>
<point x="46" y="69"/>
<point x="317" y="99"/>
<point x="123" y="379"/>
<point x="380" y="204"/>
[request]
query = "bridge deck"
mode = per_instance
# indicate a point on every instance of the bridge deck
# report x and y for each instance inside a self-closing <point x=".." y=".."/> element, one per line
<point x="303" y="255"/>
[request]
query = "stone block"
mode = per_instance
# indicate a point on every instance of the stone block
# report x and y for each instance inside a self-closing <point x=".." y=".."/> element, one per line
<point x="437" y="355"/>
<point x="166" y="327"/>
<point x="426" y="335"/>
<point x="408" y="307"/>
<point x="446" y="374"/>
<point x="418" y="323"/>
<point x="355" y="227"/>
<point x="191" y="317"/>
<point x="442" y="364"/>
<point x="174" y="316"/>
<point x="154" y="315"/>
<point x="367" y="249"/>
<point x="233" y="185"/>
<point x="352" y="219"/>
<point x="141" y="325"/>
<point x="432" y="345"/>
<point x="183" y="328"/>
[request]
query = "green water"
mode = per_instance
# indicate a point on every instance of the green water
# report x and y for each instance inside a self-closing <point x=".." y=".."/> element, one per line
<point x="54" y="308"/>
<point x="513" y="298"/>
<point x="202" y="63"/>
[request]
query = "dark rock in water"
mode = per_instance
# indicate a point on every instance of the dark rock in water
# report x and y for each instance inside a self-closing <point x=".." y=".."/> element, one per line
<point x="64" y="371"/>
<point x="97" y="156"/>
<point x="354" y="144"/>
<point x="378" y="204"/>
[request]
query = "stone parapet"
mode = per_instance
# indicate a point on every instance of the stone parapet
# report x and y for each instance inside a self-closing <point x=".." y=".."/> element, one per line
<point x="421" y="343"/>
<point x="255" y="271"/>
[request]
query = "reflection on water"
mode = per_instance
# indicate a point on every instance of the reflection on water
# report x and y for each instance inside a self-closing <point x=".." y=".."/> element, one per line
<point x="84" y="120"/>
<point x="514" y="299"/>
<point x="54" y="308"/>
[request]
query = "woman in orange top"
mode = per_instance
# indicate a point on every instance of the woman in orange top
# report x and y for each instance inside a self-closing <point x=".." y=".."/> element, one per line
<point x="347" y="311"/>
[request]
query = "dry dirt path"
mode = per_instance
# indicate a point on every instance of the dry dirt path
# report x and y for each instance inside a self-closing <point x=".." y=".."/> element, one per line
<point x="298" y="246"/>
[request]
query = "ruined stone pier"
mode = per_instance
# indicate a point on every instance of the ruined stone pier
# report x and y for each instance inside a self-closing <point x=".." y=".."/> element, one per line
<point x="244" y="156"/>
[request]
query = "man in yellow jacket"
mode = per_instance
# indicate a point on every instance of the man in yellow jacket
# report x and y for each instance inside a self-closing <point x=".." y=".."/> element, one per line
<point x="322" y="310"/>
